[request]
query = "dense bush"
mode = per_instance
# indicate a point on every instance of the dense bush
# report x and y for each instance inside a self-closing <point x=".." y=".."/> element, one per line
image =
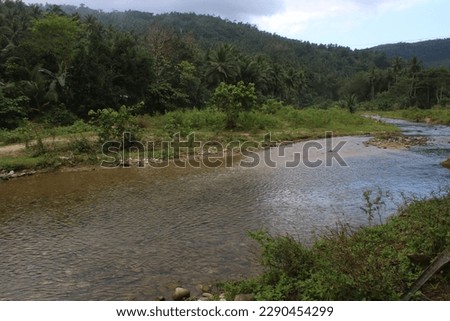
<point x="114" y="124"/>
<point x="373" y="263"/>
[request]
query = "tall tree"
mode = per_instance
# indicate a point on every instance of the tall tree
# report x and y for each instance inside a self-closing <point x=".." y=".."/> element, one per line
<point x="223" y="65"/>
<point x="55" y="38"/>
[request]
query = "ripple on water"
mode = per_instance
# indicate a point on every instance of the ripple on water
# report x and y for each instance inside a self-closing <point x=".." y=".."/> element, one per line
<point x="124" y="234"/>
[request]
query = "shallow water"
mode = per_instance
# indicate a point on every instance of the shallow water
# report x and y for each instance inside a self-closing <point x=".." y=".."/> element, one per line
<point x="124" y="234"/>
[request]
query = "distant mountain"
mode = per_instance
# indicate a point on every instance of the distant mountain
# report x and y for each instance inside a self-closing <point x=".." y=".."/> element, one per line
<point x="433" y="53"/>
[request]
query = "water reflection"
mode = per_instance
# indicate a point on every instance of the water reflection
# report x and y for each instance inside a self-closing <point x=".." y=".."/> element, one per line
<point x="134" y="233"/>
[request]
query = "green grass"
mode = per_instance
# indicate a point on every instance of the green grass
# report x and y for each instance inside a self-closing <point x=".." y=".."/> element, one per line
<point x="435" y="115"/>
<point x="76" y="150"/>
<point x="22" y="162"/>
<point x="285" y="124"/>
<point x="372" y="263"/>
<point x="30" y="131"/>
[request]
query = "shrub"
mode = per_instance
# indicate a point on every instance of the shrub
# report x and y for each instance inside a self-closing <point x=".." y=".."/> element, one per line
<point x="59" y="116"/>
<point x="271" y="106"/>
<point x="233" y="99"/>
<point x="112" y="124"/>
<point x="372" y="263"/>
<point x="82" y="146"/>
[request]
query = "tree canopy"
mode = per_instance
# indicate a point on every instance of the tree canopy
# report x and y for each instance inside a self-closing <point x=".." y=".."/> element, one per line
<point x="58" y="63"/>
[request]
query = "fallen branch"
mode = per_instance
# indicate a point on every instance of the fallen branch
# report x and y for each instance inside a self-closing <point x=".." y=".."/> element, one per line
<point x="439" y="262"/>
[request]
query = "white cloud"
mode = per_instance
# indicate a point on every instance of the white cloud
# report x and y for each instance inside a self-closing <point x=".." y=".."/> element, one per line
<point x="298" y="17"/>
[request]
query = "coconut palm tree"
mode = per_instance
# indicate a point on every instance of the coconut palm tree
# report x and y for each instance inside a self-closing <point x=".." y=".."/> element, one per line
<point x="222" y="65"/>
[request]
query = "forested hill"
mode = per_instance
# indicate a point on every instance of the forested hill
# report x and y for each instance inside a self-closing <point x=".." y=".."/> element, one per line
<point x="433" y="53"/>
<point x="59" y="63"/>
<point x="211" y="31"/>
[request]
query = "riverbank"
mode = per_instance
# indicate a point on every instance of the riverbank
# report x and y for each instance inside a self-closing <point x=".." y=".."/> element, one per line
<point x="372" y="263"/>
<point x="438" y="116"/>
<point x="37" y="151"/>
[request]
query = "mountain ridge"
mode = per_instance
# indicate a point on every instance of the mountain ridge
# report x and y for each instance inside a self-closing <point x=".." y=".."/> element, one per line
<point x="432" y="53"/>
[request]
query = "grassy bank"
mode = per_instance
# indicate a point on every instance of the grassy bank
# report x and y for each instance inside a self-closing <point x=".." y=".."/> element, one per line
<point x="75" y="145"/>
<point x="373" y="263"/>
<point x="435" y="116"/>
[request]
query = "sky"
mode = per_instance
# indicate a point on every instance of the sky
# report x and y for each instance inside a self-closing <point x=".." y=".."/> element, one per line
<point x="356" y="24"/>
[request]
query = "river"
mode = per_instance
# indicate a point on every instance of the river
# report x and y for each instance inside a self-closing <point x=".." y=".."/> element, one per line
<point x="124" y="234"/>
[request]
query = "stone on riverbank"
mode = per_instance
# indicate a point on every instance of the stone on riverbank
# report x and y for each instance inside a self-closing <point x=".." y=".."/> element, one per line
<point x="397" y="141"/>
<point x="4" y="175"/>
<point x="204" y="288"/>
<point x="181" y="294"/>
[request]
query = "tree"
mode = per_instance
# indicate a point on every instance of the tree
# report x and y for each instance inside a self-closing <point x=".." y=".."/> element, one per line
<point x="222" y="64"/>
<point x="295" y="82"/>
<point x="397" y="66"/>
<point x="189" y="83"/>
<point x="54" y="38"/>
<point x="415" y="66"/>
<point x="233" y="99"/>
<point x="12" y="110"/>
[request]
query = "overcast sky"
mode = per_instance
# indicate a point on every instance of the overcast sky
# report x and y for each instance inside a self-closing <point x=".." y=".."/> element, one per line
<point x="352" y="23"/>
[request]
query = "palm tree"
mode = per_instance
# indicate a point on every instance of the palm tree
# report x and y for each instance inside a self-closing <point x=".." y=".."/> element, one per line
<point x="276" y="80"/>
<point x="295" y="82"/>
<point x="415" y="66"/>
<point x="223" y="65"/>
<point x="397" y="65"/>
<point x="249" y="71"/>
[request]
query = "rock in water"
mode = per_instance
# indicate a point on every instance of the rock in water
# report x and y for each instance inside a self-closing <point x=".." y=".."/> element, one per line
<point x="446" y="163"/>
<point x="181" y="294"/>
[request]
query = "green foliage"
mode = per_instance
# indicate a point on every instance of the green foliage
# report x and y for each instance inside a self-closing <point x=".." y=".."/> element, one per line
<point x="69" y="61"/>
<point x="283" y="256"/>
<point x="22" y="163"/>
<point x="24" y="134"/>
<point x="12" y="111"/>
<point x="233" y="99"/>
<point x="59" y="116"/>
<point x="434" y="53"/>
<point x="223" y="66"/>
<point x="113" y="124"/>
<point x="33" y="135"/>
<point x="186" y="121"/>
<point x="311" y="118"/>
<point x="56" y="36"/>
<point x="271" y="106"/>
<point x="374" y="205"/>
<point x="257" y="121"/>
<point x="372" y="263"/>
<point x="351" y="103"/>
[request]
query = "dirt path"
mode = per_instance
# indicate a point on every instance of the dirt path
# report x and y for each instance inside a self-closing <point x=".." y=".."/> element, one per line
<point x="14" y="149"/>
<point x="10" y="150"/>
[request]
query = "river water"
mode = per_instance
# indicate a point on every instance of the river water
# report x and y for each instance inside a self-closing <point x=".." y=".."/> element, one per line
<point x="123" y="234"/>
